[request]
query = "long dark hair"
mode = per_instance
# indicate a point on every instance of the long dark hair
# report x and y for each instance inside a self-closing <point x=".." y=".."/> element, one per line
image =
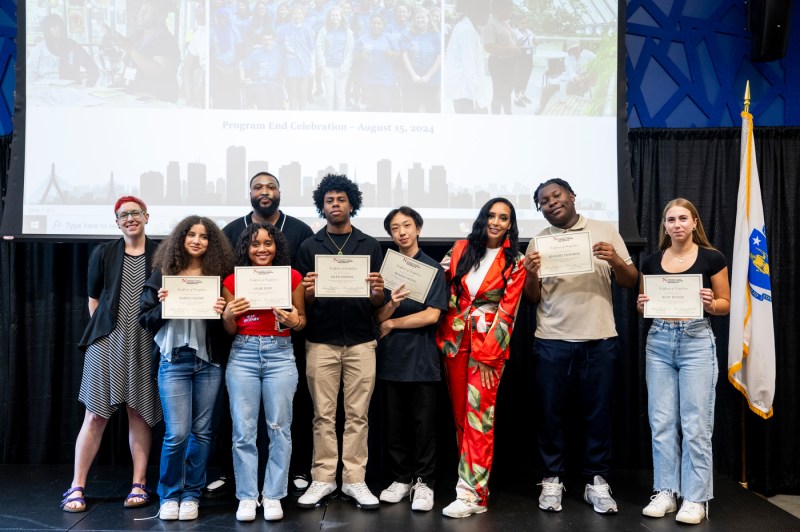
<point x="171" y="256"/>
<point x="476" y="246"/>
<point x="249" y="234"/>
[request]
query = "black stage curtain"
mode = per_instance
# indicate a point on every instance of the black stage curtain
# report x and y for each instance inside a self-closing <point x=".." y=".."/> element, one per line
<point x="43" y="313"/>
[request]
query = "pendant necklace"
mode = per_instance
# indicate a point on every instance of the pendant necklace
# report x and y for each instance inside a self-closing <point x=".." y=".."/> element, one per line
<point x="680" y="257"/>
<point x="334" y="243"/>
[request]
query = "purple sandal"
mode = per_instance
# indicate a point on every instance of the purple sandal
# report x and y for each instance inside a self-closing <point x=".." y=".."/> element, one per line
<point x="68" y="499"/>
<point x="143" y="498"/>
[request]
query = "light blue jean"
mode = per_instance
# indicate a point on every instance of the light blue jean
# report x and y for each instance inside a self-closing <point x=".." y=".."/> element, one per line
<point x="682" y="372"/>
<point x="261" y="368"/>
<point x="188" y="388"/>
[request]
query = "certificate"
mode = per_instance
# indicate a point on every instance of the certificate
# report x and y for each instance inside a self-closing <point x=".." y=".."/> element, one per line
<point x="341" y="275"/>
<point x="673" y="296"/>
<point x="190" y="297"/>
<point x="398" y="269"/>
<point x="565" y="254"/>
<point x="265" y="287"/>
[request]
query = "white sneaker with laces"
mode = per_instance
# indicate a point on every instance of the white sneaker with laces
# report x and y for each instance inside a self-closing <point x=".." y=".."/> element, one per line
<point x="691" y="513"/>
<point x="168" y="511"/>
<point x="247" y="510"/>
<point x="550" y="498"/>
<point x="421" y="497"/>
<point x="272" y="510"/>
<point x="188" y="510"/>
<point x="395" y="492"/>
<point x="599" y="496"/>
<point x="315" y="494"/>
<point x="462" y="508"/>
<point x="661" y="503"/>
<point x="360" y="494"/>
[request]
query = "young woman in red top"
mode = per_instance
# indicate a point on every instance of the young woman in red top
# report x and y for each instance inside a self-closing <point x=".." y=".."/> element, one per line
<point x="261" y="369"/>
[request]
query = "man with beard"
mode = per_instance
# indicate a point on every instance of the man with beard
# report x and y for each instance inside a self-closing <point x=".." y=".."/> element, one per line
<point x="265" y="197"/>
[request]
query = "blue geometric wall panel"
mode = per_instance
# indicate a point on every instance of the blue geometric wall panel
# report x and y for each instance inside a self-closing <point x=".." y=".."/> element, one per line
<point x="8" y="61"/>
<point x="688" y="62"/>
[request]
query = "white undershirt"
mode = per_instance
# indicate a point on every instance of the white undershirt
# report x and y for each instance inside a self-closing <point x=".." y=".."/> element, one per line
<point x="476" y="276"/>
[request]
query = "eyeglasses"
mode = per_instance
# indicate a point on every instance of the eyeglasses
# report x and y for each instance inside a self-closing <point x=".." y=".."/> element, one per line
<point x="136" y="215"/>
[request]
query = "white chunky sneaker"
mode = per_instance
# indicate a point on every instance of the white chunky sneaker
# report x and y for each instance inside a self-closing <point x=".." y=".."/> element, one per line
<point x="396" y="492"/>
<point x="661" y="503"/>
<point x="421" y="497"/>
<point x="599" y="496"/>
<point x="188" y="510"/>
<point x="168" y="511"/>
<point x="462" y="508"/>
<point x="360" y="494"/>
<point x="316" y="493"/>
<point x="550" y="498"/>
<point x="691" y="513"/>
<point x="272" y="509"/>
<point x="247" y="510"/>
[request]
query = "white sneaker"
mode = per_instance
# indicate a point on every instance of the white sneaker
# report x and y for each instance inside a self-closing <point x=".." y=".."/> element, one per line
<point x="550" y="498"/>
<point x="247" y="510"/>
<point x="359" y="492"/>
<point x="396" y="492"/>
<point x="315" y="494"/>
<point x="168" y="511"/>
<point x="663" y="502"/>
<point x="188" y="510"/>
<point x="599" y="496"/>
<point x="462" y="508"/>
<point x="272" y="509"/>
<point x="691" y="513"/>
<point x="421" y="497"/>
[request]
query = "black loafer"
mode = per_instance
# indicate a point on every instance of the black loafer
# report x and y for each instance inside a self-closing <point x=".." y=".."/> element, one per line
<point x="299" y="484"/>
<point x="218" y="488"/>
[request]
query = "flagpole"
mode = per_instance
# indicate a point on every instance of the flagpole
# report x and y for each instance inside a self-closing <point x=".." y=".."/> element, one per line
<point x="743" y="404"/>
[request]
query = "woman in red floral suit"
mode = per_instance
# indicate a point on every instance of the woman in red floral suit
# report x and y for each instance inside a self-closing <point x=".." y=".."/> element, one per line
<point x="485" y="278"/>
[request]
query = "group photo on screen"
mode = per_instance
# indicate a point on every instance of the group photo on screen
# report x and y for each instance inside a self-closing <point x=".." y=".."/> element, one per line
<point x="467" y="56"/>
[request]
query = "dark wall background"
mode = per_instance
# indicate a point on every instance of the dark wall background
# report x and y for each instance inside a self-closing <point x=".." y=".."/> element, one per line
<point x="687" y="65"/>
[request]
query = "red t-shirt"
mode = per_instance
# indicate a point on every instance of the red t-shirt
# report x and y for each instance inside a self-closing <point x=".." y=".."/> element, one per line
<point x="259" y="322"/>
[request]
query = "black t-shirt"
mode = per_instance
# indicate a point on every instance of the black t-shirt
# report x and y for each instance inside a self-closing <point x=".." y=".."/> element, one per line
<point x="411" y="355"/>
<point x="340" y="321"/>
<point x="708" y="263"/>
<point x="293" y="229"/>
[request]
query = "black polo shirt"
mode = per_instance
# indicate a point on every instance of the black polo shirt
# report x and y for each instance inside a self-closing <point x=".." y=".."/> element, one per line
<point x="293" y="229"/>
<point x="411" y="355"/>
<point x="340" y="321"/>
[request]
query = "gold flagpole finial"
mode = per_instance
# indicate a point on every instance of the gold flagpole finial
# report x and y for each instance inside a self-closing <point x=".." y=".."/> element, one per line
<point x="747" y="97"/>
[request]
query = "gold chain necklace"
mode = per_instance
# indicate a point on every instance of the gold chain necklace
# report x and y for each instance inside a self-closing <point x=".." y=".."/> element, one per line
<point x="334" y="243"/>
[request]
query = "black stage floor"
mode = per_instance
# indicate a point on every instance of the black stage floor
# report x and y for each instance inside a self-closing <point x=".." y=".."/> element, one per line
<point x="29" y="497"/>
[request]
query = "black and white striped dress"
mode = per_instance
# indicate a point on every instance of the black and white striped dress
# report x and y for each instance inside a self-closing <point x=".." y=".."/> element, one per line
<point x="117" y="367"/>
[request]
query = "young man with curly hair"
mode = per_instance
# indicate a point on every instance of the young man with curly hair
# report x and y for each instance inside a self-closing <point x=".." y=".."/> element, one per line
<point x="340" y="347"/>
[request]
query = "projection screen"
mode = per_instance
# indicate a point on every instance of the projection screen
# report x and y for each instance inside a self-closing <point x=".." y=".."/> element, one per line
<point x="424" y="103"/>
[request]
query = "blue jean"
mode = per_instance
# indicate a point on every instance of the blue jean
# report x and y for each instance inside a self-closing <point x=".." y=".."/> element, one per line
<point x="188" y="388"/>
<point x="682" y="372"/>
<point x="562" y="369"/>
<point x="261" y="369"/>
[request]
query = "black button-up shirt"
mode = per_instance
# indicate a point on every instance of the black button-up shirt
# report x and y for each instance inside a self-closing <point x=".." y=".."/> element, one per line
<point x="340" y="321"/>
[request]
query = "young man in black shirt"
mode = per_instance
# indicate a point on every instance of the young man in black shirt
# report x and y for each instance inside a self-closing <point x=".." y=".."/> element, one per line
<point x="341" y="347"/>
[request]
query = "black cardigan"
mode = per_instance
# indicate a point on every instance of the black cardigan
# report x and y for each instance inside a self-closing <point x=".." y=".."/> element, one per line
<point x="104" y="284"/>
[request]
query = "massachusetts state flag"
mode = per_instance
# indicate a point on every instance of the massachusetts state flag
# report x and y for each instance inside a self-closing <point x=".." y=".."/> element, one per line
<point x="751" y="347"/>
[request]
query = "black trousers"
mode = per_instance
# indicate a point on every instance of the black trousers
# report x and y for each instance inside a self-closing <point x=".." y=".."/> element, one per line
<point x="585" y="369"/>
<point x="411" y="430"/>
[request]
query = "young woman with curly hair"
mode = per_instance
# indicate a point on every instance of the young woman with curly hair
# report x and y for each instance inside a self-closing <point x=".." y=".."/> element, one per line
<point x="191" y="352"/>
<point x="262" y="369"/>
<point x="485" y="276"/>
